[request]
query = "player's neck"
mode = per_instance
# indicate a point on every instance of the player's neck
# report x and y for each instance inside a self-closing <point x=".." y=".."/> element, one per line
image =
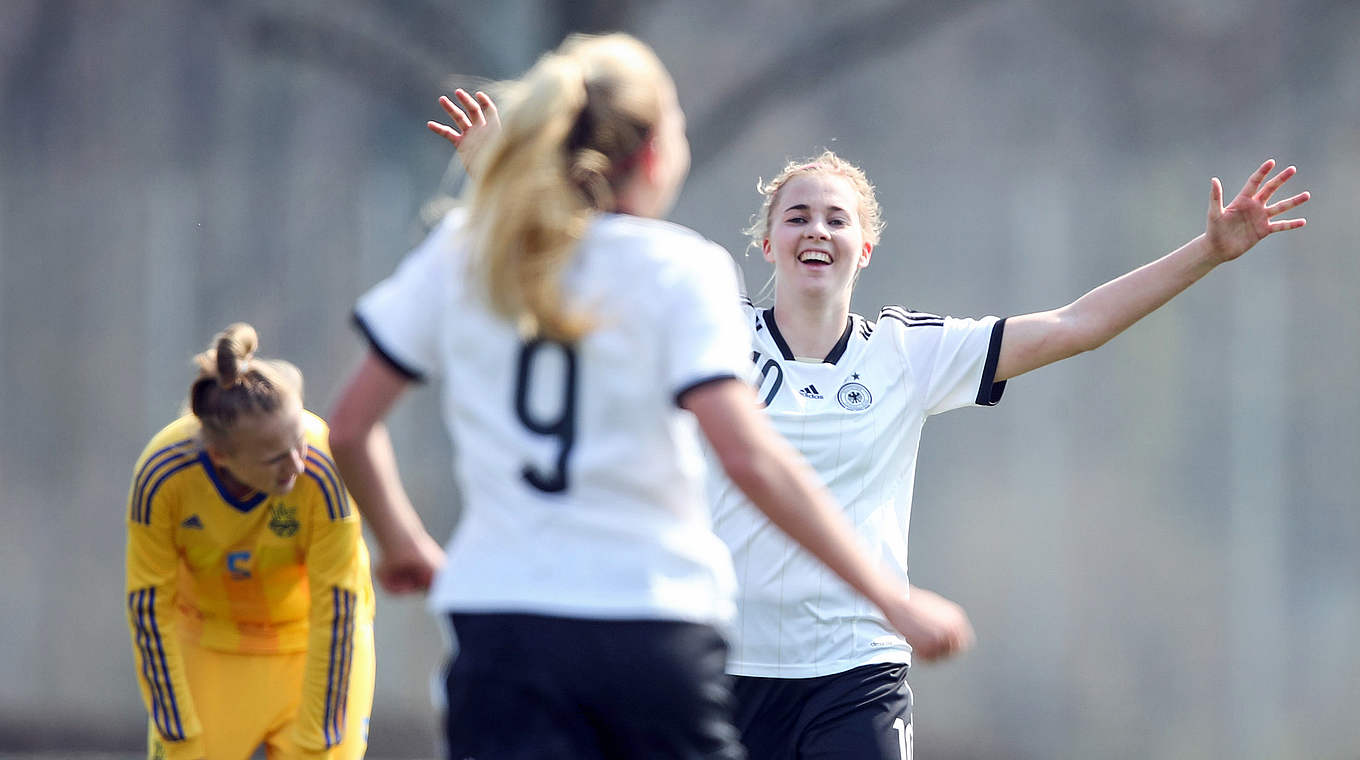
<point x="811" y="329"/>
<point x="236" y="488"/>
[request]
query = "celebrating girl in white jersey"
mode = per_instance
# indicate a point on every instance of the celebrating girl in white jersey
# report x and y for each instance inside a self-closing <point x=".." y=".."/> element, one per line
<point x="819" y="672"/>
<point x="571" y="331"/>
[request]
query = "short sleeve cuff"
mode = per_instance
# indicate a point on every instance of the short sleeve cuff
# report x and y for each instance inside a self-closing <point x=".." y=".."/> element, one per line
<point x="700" y="383"/>
<point x="989" y="391"/>
<point x="376" y="345"/>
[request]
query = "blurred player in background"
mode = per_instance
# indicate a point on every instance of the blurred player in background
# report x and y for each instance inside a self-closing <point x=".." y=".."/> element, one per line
<point x="819" y="672"/>
<point x="571" y="330"/>
<point x="248" y="590"/>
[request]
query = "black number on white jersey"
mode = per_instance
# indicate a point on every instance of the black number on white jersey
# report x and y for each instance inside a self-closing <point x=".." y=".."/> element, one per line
<point x="770" y="366"/>
<point x="562" y="426"/>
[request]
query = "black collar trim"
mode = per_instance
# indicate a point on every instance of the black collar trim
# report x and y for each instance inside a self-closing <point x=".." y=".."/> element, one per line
<point x="837" y="351"/>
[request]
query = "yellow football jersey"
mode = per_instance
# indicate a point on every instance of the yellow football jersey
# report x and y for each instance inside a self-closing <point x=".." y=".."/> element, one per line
<point x="259" y="575"/>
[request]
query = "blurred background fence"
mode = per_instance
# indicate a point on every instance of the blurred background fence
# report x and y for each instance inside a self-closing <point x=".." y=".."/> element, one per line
<point x="1156" y="541"/>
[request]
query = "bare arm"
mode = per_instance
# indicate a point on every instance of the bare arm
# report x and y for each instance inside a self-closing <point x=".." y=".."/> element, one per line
<point x="408" y="556"/>
<point x="780" y="483"/>
<point x="1034" y="340"/>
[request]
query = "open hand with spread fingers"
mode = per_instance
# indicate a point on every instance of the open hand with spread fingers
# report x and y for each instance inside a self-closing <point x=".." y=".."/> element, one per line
<point x="475" y="120"/>
<point x="1250" y="217"/>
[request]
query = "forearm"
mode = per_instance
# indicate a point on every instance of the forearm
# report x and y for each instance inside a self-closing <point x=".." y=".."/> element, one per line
<point x="786" y="490"/>
<point x="1035" y="340"/>
<point x="781" y="484"/>
<point x="336" y="612"/>
<point x="161" y="675"/>
<point x="1113" y="307"/>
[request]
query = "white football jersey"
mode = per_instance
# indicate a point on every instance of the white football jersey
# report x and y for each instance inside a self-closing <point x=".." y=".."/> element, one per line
<point x="581" y="477"/>
<point x="856" y="416"/>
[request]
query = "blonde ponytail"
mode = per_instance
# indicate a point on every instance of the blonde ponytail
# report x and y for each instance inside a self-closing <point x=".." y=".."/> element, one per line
<point x="571" y="129"/>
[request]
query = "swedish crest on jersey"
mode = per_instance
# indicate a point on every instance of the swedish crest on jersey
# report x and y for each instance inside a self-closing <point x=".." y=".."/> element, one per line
<point x="283" y="521"/>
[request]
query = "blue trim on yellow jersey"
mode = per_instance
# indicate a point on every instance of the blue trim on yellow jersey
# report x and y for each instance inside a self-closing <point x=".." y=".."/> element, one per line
<point x="141" y="601"/>
<point x="325" y="487"/>
<point x="323" y="463"/>
<point x="142" y="641"/>
<point x="238" y="504"/>
<point x="144" y="500"/>
<point x="347" y="668"/>
<point x="151" y="467"/>
<point x="339" y="669"/>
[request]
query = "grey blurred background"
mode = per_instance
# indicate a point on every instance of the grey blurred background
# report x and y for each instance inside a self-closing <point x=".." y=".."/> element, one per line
<point x="1156" y="541"/>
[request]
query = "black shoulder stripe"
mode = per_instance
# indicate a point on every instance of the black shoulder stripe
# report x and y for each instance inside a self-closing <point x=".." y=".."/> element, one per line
<point x="936" y="322"/>
<point x="908" y="315"/>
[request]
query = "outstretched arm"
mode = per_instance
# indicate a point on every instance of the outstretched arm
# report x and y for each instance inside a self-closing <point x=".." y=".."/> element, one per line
<point x="1033" y="340"/>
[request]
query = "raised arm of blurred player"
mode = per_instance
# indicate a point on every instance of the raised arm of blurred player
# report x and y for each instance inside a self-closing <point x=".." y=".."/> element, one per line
<point x="475" y="120"/>
<point x="1033" y="340"/>
<point x="408" y="555"/>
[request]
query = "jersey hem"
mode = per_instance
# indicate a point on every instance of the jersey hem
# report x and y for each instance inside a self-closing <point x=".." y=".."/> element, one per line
<point x="894" y="657"/>
<point x="714" y="617"/>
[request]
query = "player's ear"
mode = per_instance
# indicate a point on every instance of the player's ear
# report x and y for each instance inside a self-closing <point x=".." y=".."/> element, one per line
<point x="765" y="249"/>
<point x="866" y="254"/>
<point x="216" y="454"/>
<point x="648" y="160"/>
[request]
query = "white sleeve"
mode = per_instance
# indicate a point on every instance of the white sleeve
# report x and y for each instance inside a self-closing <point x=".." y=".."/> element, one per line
<point x="706" y="334"/>
<point x="401" y="316"/>
<point x="957" y="357"/>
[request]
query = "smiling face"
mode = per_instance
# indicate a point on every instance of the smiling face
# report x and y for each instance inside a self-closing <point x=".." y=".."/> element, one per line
<point x="816" y="240"/>
<point x="263" y="452"/>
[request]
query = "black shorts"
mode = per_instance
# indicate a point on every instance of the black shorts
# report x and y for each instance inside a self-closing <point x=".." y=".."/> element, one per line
<point x="863" y="713"/>
<point x="532" y="686"/>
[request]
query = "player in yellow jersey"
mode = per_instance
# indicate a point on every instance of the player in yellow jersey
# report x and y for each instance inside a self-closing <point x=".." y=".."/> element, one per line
<point x="248" y="590"/>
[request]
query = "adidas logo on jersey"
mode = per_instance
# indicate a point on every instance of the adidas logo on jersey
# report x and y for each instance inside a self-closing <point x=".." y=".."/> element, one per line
<point x="192" y="522"/>
<point x="810" y="392"/>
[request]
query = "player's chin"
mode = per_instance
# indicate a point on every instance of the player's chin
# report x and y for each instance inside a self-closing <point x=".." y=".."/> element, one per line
<point x="284" y="487"/>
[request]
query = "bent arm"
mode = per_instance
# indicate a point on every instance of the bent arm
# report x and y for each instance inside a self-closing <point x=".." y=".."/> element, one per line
<point x="340" y="604"/>
<point x="368" y="464"/>
<point x="152" y="572"/>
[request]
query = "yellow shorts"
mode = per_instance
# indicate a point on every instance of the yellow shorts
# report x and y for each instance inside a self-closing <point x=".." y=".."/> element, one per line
<point x="248" y="700"/>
